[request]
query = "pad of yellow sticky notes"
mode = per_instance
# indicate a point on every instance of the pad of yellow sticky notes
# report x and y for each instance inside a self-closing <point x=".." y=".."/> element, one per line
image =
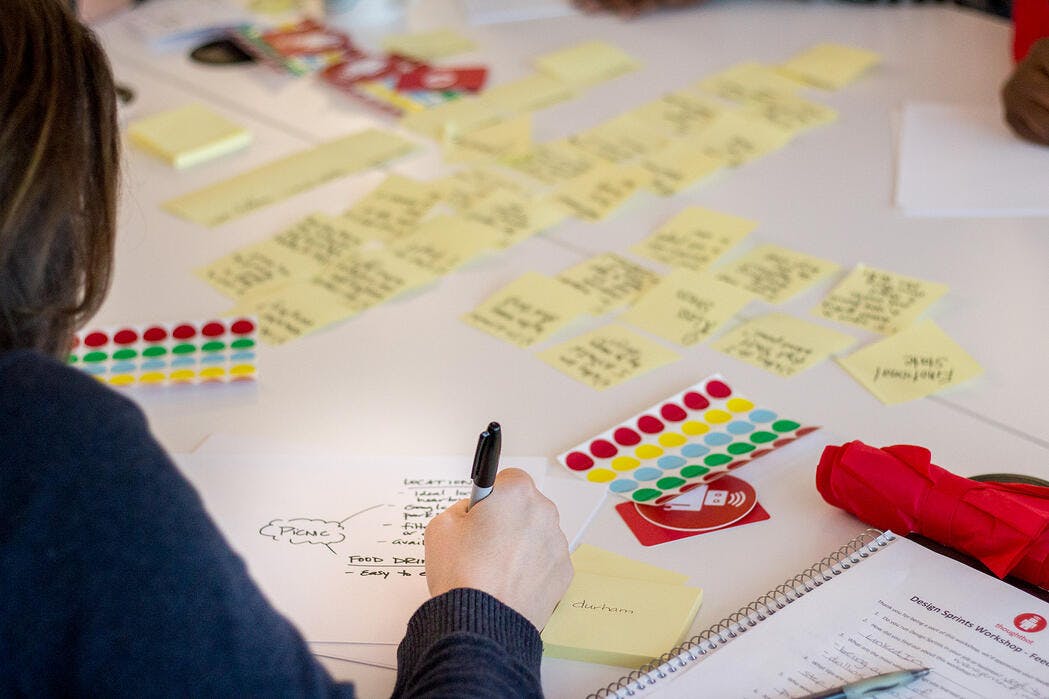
<point x="620" y="612"/>
<point x="528" y="310"/>
<point x="829" y="66"/>
<point x="609" y="280"/>
<point x="687" y="307"/>
<point x="503" y="140"/>
<point x="914" y="363"/>
<point x="695" y="238"/>
<point x="515" y="214"/>
<point x="782" y="344"/>
<point x="608" y="356"/>
<point x="880" y="301"/>
<point x="775" y="273"/>
<point x="586" y="63"/>
<point x="601" y="190"/>
<point x="188" y="135"/>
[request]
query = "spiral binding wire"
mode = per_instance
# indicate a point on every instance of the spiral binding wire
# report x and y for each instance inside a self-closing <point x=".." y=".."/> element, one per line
<point x="737" y="623"/>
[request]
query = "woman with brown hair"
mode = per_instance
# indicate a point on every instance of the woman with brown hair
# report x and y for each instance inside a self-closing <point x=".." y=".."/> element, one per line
<point x="114" y="579"/>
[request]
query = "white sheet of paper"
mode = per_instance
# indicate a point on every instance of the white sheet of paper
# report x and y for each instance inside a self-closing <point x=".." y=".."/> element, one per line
<point x="500" y="11"/>
<point x="961" y="161"/>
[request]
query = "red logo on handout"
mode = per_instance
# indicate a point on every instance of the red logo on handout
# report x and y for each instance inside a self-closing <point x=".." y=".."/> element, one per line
<point x="1030" y="622"/>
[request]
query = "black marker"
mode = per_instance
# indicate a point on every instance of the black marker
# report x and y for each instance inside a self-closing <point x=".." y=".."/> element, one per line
<point x="486" y="463"/>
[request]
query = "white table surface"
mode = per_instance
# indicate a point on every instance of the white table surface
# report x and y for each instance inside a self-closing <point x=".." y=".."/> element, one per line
<point x="412" y="363"/>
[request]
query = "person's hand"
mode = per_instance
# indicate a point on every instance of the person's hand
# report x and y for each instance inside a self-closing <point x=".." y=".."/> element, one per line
<point x="629" y="8"/>
<point x="1025" y="96"/>
<point x="508" y="545"/>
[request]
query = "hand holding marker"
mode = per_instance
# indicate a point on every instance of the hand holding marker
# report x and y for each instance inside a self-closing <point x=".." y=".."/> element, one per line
<point x="486" y="463"/>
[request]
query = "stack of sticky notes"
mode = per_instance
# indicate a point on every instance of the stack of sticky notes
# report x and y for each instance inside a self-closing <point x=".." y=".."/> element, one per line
<point x="618" y="611"/>
<point x="188" y="135"/>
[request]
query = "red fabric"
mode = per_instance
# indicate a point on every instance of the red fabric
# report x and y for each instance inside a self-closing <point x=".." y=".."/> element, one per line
<point x="1005" y="526"/>
<point x="1030" y="23"/>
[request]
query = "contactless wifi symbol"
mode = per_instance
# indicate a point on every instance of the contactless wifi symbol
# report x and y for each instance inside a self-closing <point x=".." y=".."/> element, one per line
<point x="737" y="498"/>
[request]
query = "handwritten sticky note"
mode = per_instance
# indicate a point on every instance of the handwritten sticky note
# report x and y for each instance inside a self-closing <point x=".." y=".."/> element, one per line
<point x="188" y="135"/>
<point x="738" y="137"/>
<point x="528" y="310"/>
<point x="587" y="63"/>
<point x="295" y="310"/>
<point x="427" y="46"/>
<point x="829" y="66"/>
<point x="507" y="139"/>
<point x="792" y="113"/>
<point x="749" y="82"/>
<point x="602" y="189"/>
<point x="449" y="118"/>
<point x="775" y="273"/>
<point x="687" y="307"/>
<point x="591" y="559"/>
<point x="395" y="207"/>
<point x="880" y="301"/>
<point x="782" y="344"/>
<point x="913" y="363"/>
<point x="295" y="253"/>
<point x="528" y="93"/>
<point x="608" y="356"/>
<point x="679" y="113"/>
<point x="360" y="281"/>
<point x="678" y="165"/>
<point x="695" y="238"/>
<point x="555" y="162"/>
<point x="466" y="188"/>
<point x="609" y="280"/>
<point x="516" y="215"/>
<point x="441" y="244"/>
<point x="288" y="176"/>
<point x="620" y="139"/>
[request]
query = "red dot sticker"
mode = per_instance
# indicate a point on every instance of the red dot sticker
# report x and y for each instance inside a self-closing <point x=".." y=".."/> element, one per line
<point x="213" y="329"/>
<point x="805" y="430"/>
<point x="736" y="464"/>
<point x="96" y="339"/>
<point x="759" y="452"/>
<point x="242" y="327"/>
<point x="603" y="449"/>
<point x="126" y="336"/>
<point x="75" y="343"/>
<point x="626" y="437"/>
<point x="673" y="413"/>
<point x="155" y="334"/>
<point x="184" y="332"/>
<point x="782" y="442"/>
<point x="649" y="424"/>
<point x="666" y="498"/>
<point x="578" y="461"/>
<point x="696" y="401"/>
<point x="719" y="389"/>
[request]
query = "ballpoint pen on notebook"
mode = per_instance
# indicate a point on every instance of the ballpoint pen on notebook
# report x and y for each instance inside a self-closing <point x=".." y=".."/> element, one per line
<point x="871" y="685"/>
<point x="486" y="463"/>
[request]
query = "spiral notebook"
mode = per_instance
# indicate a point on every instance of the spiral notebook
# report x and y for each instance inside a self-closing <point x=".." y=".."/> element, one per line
<point x="878" y="604"/>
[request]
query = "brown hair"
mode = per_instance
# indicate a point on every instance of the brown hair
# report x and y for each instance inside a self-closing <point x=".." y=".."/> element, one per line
<point x="59" y="162"/>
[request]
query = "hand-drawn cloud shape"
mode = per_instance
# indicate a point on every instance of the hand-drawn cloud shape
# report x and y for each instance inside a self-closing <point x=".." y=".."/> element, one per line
<point x="302" y="530"/>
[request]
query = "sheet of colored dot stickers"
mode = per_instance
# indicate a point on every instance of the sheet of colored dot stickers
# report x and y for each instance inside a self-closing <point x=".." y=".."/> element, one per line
<point x="168" y="353"/>
<point x="691" y="438"/>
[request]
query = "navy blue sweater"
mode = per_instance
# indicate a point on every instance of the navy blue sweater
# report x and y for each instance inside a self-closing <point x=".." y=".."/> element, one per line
<point x="114" y="581"/>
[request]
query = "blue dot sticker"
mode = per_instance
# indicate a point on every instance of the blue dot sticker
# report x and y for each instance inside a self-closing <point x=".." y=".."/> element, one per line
<point x="717" y="439"/>
<point x="761" y="415"/>
<point x="669" y="462"/>
<point x="647" y="473"/>
<point x="623" y="485"/>
<point x="694" y="450"/>
<point x="739" y="427"/>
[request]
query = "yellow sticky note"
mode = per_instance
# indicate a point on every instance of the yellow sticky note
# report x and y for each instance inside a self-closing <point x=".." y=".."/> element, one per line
<point x="528" y="93"/>
<point x="591" y="559"/>
<point x="619" y="139"/>
<point x="528" y="310"/>
<point x="395" y="207"/>
<point x="464" y="189"/>
<point x="188" y="135"/>
<point x="880" y="301"/>
<point x="619" y="621"/>
<point x="516" y="215"/>
<point x="687" y="307"/>
<point x="609" y="280"/>
<point x="427" y="46"/>
<point x="792" y="113"/>
<point x="288" y="176"/>
<point x="738" y="137"/>
<point x="555" y="162"/>
<point x="602" y="189"/>
<point x="295" y="253"/>
<point x="695" y="238"/>
<point x="775" y="273"/>
<point x="678" y="165"/>
<point x="829" y="66"/>
<point x="450" y="118"/>
<point x="913" y="363"/>
<point x="360" y="281"/>
<point x="441" y="244"/>
<point x="502" y="140"/>
<point x="749" y="82"/>
<point x="587" y="63"/>
<point x="293" y="311"/>
<point x="679" y="113"/>
<point x="782" y="344"/>
<point x="608" y="356"/>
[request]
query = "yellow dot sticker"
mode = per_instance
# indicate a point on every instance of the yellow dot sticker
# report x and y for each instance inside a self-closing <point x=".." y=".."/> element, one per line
<point x="738" y="405"/>
<point x="672" y="439"/>
<point x="693" y="428"/>
<point x="213" y="372"/>
<point x="648" y="451"/>
<point x="625" y="463"/>
<point x="242" y="370"/>
<point x="600" y="475"/>
<point x="122" y="380"/>
<point x="182" y="375"/>
<point x="151" y="377"/>
<point x="717" y="416"/>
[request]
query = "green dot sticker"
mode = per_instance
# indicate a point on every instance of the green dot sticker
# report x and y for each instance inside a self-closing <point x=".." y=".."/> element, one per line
<point x="125" y="354"/>
<point x="95" y="357"/>
<point x="72" y="359"/>
<point x="717" y="459"/>
<point x="670" y="482"/>
<point x="154" y="352"/>
<point x="185" y="348"/>
<point x="242" y="343"/>
<point x="785" y="425"/>
<point x="694" y="470"/>
<point x="213" y="346"/>
<point x="762" y="437"/>
<point x="646" y="494"/>
<point x="740" y="448"/>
